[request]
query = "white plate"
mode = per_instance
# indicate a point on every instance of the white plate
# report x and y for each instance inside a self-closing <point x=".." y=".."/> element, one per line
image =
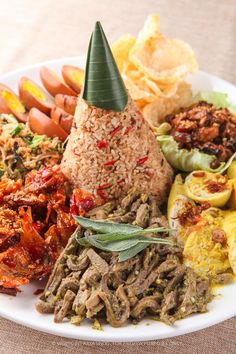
<point x="21" y="308"/>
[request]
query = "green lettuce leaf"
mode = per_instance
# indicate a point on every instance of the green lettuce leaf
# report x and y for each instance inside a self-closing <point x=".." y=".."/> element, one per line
<point x="163" y="129"/>
<point x="189" y="160"/>
<point x="218" y="99"/>
<point x="232" y="109"/>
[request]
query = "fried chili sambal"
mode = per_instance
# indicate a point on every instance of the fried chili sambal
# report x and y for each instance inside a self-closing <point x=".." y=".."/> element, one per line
<point x="191" y="215"/>
<point x="35" y="225"/>
<point x="211" y="130"/>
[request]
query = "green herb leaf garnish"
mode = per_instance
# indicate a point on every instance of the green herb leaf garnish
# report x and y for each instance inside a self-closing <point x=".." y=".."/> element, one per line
<point x="37" y="139"/>
<point x="15" y="131"/>
<point x="128" y="240"/>
<point x="103" y="85"/>
<point x="105" y="226"/>
<point x="127" y="254"/>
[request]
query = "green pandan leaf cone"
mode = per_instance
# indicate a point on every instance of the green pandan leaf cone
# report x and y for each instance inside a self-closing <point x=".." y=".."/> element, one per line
<point x="103" y="85"/>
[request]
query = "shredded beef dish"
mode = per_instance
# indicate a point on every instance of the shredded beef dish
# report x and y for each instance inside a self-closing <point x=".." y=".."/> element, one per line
<point x="90" y="283"/>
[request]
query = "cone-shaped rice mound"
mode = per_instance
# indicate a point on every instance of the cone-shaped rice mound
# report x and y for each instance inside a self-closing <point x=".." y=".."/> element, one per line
<point x="111" y="148"/>
<point x="114" y="151"/>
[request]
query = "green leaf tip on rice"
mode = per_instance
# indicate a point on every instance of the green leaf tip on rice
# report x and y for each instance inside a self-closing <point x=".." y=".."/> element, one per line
<point x="103" y="85"/>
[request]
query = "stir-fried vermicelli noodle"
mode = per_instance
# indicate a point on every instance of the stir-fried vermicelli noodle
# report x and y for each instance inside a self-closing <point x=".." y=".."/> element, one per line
<point x="21" y="150"/>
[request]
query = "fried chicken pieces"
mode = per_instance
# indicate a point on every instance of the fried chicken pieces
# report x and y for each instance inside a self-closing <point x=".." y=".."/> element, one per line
<point x="35" y="225"/>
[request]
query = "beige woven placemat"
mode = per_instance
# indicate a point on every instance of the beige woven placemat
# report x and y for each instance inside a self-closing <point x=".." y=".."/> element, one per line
<point x="33" y="31"/>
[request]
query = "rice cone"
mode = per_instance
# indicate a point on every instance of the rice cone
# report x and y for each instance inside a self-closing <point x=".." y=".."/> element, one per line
<point x="113" y="149"/>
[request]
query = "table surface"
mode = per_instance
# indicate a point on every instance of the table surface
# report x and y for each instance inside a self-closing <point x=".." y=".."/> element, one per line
<point x="47" y="29"/>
